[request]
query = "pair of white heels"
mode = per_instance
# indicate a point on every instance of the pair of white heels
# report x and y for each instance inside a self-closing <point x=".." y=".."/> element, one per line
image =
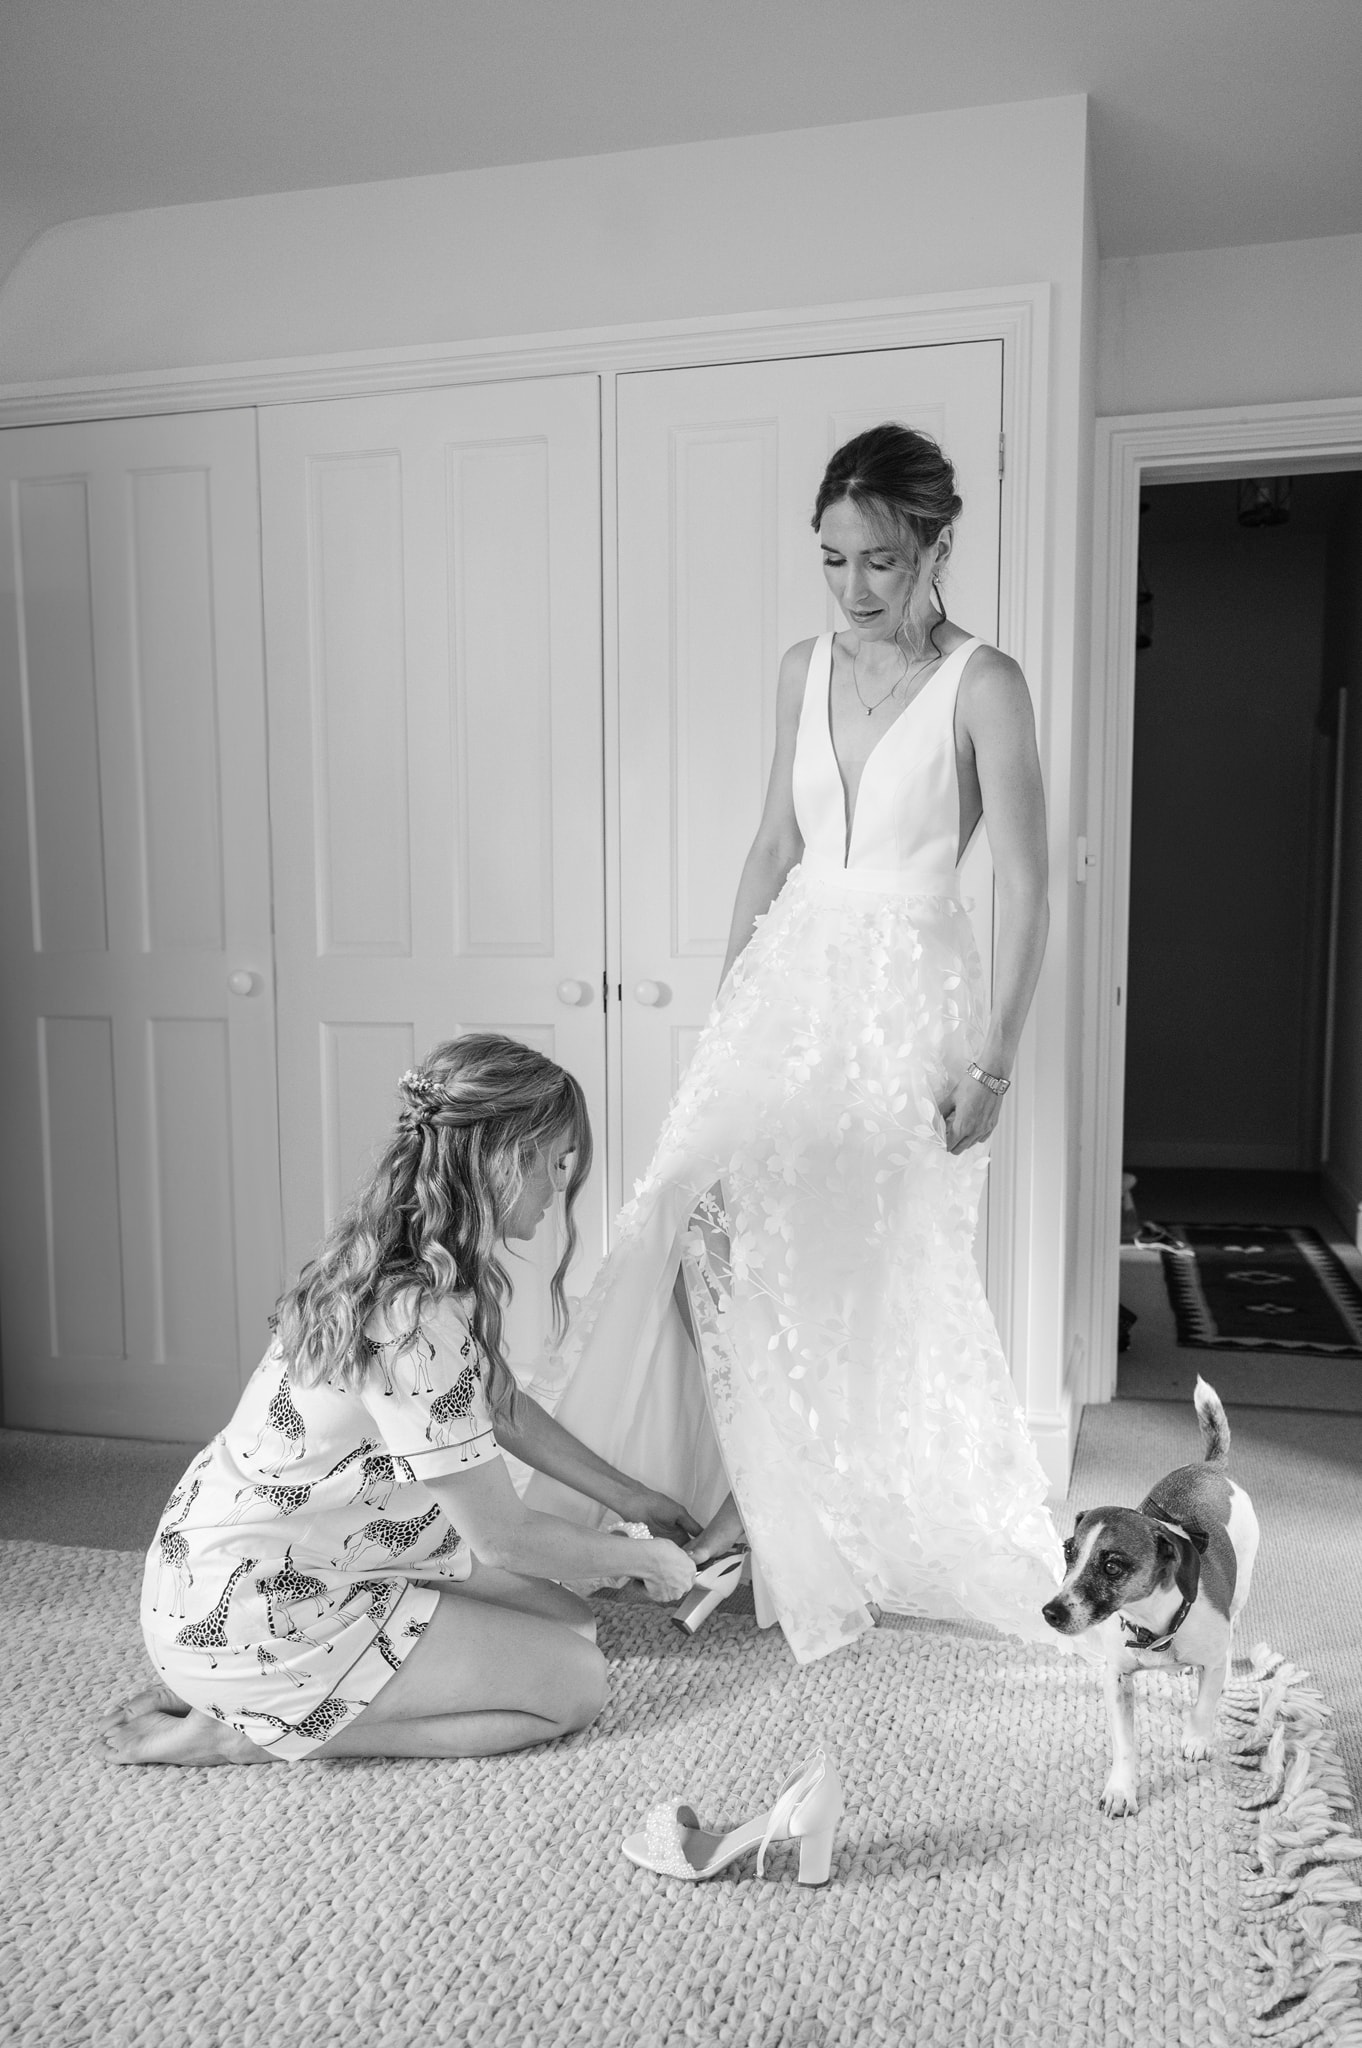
<point x="807" y="1810"/>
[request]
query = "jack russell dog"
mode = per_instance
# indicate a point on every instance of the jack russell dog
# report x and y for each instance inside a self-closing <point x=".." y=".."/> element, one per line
<point x="1162" y="1584"/>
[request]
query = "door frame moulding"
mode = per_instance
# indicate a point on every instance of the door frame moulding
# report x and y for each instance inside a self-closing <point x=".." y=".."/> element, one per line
<point x="1131" y="452"/>
<point x="1016" y="315"/>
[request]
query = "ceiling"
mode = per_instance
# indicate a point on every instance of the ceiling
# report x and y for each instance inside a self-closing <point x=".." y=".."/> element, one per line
<point x="1214" y="123"/>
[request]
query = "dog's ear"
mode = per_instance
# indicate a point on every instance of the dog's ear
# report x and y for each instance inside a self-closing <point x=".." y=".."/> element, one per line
<point x="1166" y="1549"/>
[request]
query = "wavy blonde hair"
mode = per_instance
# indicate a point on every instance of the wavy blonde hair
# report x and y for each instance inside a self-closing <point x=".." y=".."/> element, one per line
<point x="429" y="1219"/>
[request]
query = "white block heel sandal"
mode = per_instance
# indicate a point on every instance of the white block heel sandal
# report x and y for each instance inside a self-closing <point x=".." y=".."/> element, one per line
<point x="719" y="1578"/>
<point x="809" y="1807"/>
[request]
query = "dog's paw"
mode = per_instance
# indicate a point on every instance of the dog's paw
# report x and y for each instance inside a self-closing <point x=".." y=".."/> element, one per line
<point x="1119" y="1797"/>
<point x="1195" y="1747"/>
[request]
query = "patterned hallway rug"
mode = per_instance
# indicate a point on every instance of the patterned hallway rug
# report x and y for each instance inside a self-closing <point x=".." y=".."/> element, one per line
<point x="1261" y="1287"/>
<point x="978" y="1896"/>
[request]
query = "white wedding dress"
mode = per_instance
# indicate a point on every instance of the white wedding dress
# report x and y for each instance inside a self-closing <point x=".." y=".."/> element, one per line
<point x="850" y="1386"/>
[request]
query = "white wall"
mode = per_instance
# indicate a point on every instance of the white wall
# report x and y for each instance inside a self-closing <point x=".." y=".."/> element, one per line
<point x="980" y="198"/>
<point x="1247" y="326"/>
<point x="985" y="196"/>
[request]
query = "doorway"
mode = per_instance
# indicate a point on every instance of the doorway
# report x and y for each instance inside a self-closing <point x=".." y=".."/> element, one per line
<point x="1299" y="439"/>
<point x="1240" y="901"/>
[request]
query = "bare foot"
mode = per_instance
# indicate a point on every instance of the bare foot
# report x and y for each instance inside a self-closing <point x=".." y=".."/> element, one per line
<point x="168" y="1736"/>
<point x="157" y="1699"/>
<point x="724" y="1532"/>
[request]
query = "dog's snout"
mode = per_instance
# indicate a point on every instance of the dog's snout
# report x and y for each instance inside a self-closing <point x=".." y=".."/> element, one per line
<point x="1056" y="1612"/>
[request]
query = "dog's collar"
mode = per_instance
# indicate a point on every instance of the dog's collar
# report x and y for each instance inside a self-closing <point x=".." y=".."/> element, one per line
<point x="1144" y="1638"/>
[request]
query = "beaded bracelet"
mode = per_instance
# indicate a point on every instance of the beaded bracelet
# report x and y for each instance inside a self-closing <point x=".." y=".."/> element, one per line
<point x="994" y="1082"/>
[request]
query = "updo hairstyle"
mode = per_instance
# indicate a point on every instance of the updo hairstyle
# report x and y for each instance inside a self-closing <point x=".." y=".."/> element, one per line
<point x="898" y="480"/>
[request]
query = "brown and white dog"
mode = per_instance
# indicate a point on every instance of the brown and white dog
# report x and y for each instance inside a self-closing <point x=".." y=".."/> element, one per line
<point x="1162" y="1584"/>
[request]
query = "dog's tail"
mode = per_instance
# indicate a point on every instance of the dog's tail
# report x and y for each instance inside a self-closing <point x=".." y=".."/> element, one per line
<point x="1215" y="1428"/>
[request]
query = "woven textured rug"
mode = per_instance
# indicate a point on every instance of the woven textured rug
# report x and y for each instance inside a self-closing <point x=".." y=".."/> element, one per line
<point x="978" y="1896"/>
<point x="1261" y="1287"/>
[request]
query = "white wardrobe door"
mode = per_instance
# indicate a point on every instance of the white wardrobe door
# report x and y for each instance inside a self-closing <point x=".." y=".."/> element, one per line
<point x="139" y="1234"/>
<point x="719" y="572"/>
<point x="432" y="600"/>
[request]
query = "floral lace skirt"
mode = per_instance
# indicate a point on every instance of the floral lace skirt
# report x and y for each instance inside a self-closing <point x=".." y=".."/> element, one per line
<point x="828" y="1351"/>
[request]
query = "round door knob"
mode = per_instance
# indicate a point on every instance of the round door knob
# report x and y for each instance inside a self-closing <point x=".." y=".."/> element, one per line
<point x="241" y="983"/>
<point x="574" y="993"/>
<point x="649" y="993"/>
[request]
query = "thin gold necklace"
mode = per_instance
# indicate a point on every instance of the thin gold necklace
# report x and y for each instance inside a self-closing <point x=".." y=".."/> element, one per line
<point x="871" y="709"/>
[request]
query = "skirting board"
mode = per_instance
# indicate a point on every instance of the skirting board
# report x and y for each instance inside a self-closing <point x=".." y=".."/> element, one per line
<point x="1345" y="1202"/>
<point x="1211" y="1158"/>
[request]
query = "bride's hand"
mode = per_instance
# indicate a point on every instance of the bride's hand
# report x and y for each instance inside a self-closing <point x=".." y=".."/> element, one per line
<point x="665" y="1517"/>
<point x="969" y="1112"/>
<point x="665" y="1571"/>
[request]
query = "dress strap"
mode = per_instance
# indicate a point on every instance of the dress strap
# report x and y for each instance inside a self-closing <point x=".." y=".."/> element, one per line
<point x="822" y="659"/>
<point x="959" y="657"/>
<point x="813" y="710"/>
<point x="948" y="678"/>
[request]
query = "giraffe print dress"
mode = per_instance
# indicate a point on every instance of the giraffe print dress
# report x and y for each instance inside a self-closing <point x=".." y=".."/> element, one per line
<point x="301" y="1555"/>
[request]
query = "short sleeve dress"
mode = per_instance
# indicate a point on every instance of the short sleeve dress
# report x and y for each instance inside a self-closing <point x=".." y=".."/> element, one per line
<point x="302" y="1554"/>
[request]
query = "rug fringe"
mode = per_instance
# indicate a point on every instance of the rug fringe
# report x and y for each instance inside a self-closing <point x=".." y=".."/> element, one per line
<point x="1305" y="1957"/>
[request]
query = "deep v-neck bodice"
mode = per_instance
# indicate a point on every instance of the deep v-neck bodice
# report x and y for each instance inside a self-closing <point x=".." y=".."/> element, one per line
<point x="903" y="829"/>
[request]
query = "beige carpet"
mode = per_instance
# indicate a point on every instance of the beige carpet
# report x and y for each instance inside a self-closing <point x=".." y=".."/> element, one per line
<point x="978" y="1895"/>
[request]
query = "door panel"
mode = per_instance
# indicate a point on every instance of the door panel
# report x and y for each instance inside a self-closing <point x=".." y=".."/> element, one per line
<point x="432" y="600"/>
<point x="140" y="1252"/>
<point x="719" y="572"/>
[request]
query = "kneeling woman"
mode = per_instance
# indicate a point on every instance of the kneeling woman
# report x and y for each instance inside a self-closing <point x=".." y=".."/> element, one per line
<point x="347" y="1569"/>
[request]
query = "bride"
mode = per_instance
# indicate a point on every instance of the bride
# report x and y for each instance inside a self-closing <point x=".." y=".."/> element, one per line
<point x="790" y="1333"/>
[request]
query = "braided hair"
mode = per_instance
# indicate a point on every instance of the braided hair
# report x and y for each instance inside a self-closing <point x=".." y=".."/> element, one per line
<point x="428" y="1219"/>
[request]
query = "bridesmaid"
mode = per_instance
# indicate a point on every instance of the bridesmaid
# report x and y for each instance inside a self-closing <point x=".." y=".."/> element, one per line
<point x="347" y="1570"/>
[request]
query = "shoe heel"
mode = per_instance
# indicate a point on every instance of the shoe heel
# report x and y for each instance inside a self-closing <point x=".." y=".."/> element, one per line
<point x="815" y="1855"/>
<point x="696" y="1606"/>
<point x="814" y="1825"/>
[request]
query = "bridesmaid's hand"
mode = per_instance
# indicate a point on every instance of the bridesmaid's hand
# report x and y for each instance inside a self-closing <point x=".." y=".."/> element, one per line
<point x="969" y="1111"/>
<point x="665" y="1517"/>
<point x="723" y="1533"/>
<point x="666" y="1572"/>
